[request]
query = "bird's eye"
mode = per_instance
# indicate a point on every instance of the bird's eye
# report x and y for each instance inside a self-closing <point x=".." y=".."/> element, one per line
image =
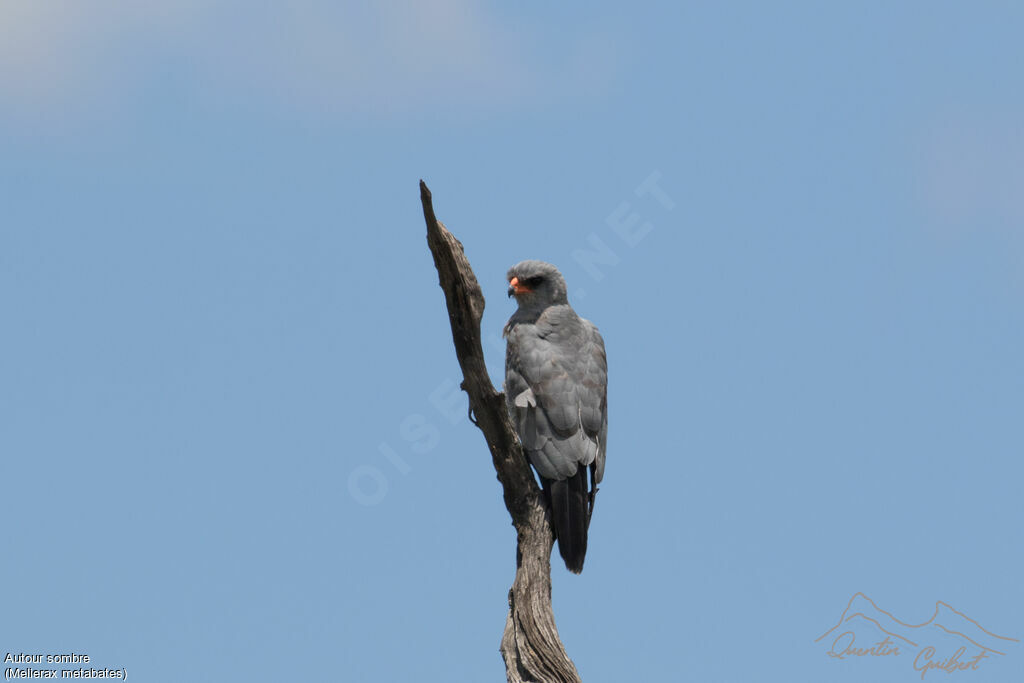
<point x="534" y="282"/>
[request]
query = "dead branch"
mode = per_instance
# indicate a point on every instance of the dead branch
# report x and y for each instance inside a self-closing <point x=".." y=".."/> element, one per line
<point x="530" y="644"/>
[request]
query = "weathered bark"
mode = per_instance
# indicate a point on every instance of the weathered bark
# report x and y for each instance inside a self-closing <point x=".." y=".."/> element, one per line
<point x="530" y="645"/>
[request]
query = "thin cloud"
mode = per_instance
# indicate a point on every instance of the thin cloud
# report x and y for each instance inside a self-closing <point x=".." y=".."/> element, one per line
<point x="59" y="59"/>
<point x="972" y="172"/>
<point x="970" y="179"/>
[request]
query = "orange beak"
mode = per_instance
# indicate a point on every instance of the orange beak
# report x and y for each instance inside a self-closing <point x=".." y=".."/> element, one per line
<point x="515" y="288"/>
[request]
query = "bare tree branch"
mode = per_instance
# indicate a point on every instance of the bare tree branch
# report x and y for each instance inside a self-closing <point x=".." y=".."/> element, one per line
<point x="530" y="645"/>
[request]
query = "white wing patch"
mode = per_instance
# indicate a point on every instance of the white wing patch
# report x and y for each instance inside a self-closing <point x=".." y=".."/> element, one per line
<point x="526" y="400"/>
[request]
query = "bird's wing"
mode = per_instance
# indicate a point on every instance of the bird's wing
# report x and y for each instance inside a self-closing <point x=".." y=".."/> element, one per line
<point x="594" y="395"/>
<point x="555" y="380"/>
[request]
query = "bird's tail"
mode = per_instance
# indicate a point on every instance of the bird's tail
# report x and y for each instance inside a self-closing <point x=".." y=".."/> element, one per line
<point x="570" y="516"/>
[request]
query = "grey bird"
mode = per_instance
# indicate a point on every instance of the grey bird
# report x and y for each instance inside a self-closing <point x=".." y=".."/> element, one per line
<point x="556" y="379"/>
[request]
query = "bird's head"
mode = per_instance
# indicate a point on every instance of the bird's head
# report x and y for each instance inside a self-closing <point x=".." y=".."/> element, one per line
<point x="536" y="284"/>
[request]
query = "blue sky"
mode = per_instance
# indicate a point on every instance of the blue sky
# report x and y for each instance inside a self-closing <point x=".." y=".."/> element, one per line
<point x="230" y="443"/>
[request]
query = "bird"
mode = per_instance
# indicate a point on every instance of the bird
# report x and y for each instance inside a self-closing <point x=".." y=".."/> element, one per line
<point x="556" y="390"/>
